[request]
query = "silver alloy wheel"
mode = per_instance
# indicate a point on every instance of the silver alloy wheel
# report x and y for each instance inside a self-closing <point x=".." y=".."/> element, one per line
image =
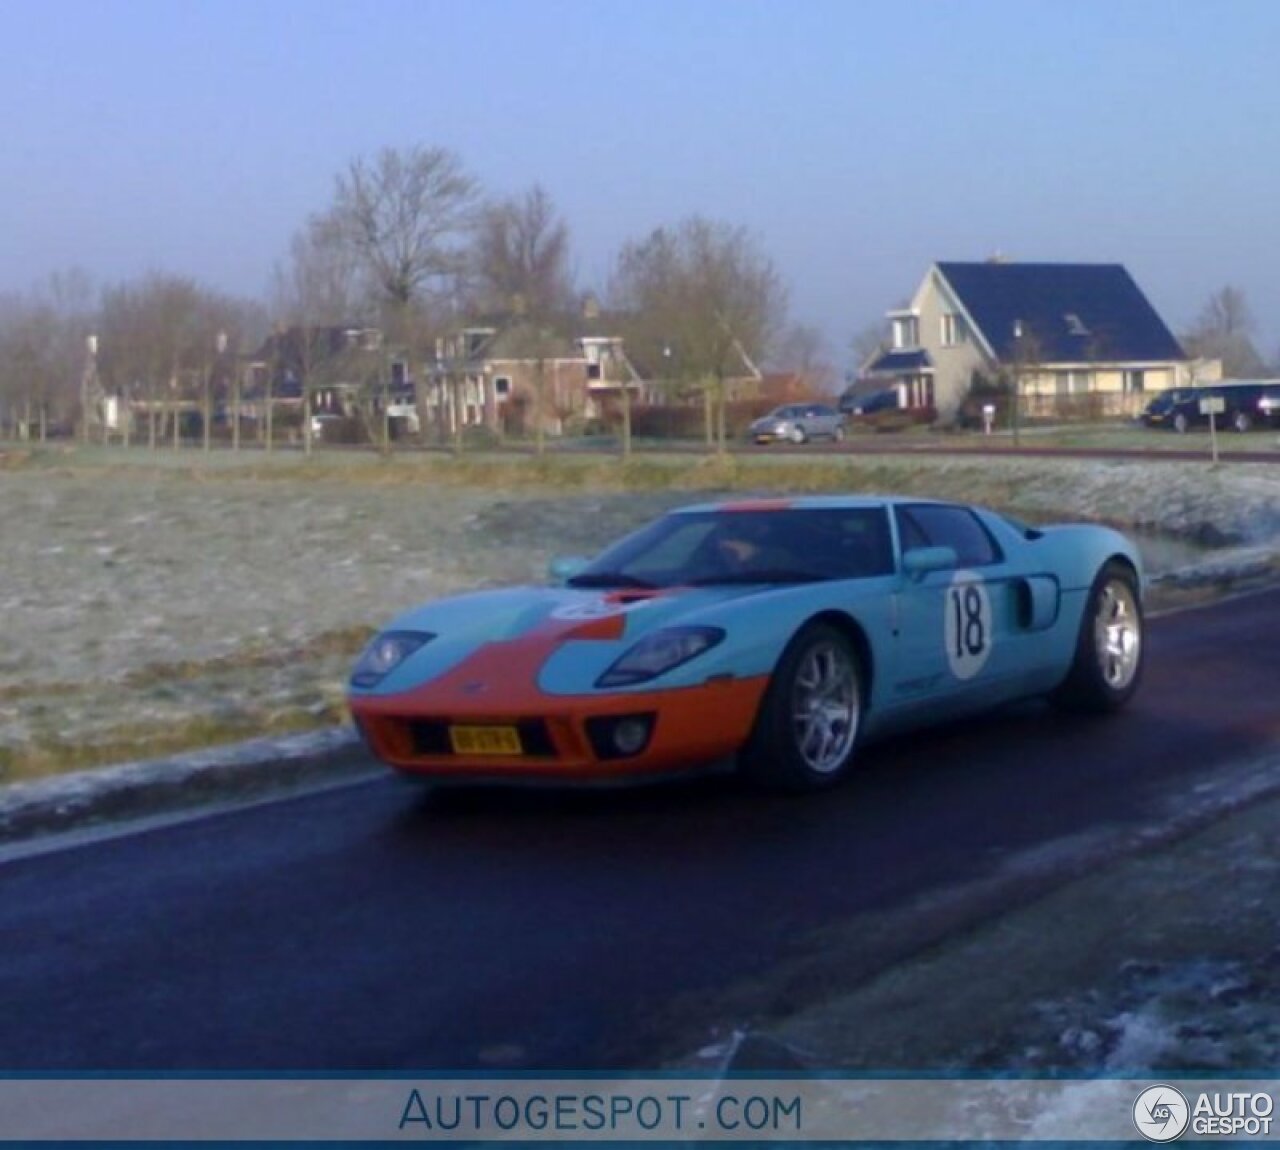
<point x="797" y="435"/>
<point x="1117" y="634"/>
<point x="825" y="707"/>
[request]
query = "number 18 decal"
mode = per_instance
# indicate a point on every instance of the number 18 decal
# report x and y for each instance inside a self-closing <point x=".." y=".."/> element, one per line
<point x="968" y="624"/>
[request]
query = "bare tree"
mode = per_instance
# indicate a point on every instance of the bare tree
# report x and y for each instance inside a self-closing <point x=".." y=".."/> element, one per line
<point x="43" y="354"/>
<point x="1227" y="312"/>
<point x="1223" y="331"/>
<point x="706" y="290"/>
<point x="804" y="350"/>
<point x="317" y="288"/>
<point x="406" y="215"/>
<point x="28" y="333"/>
<point x="866" y="343"/>
<point x="159" y="343"/>
<point x="521" y="257"/>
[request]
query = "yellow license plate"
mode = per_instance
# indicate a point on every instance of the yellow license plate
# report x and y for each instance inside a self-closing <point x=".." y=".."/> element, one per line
<point x="485" y="741"/>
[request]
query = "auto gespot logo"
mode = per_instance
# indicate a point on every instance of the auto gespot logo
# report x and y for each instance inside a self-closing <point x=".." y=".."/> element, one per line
<point x="1162" y="1113"/>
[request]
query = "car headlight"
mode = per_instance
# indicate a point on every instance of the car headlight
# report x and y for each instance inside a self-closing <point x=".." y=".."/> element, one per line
<point x="659" y="653"/>
<point x="385" y="654"/>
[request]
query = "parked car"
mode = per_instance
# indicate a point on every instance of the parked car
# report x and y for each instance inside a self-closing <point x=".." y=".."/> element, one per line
<point x="798" y="423"/>
<point x="1178" y="408"/>
<point x="886" y="400"/>
<point x="780" y="633"/>
<point x="1269" y="406"/>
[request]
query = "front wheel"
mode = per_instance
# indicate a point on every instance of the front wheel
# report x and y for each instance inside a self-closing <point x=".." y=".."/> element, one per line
<point x="1110" y="646"/>
<point x="1241" y="421"/>
<point x="839" y="435"/>
<point x="798" y="435"/>
<point x="809" y="721"/>
<point x="1181" y="423"/>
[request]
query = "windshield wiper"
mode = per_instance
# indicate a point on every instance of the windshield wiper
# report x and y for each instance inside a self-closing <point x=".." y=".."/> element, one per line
<point x="609" y="579"/>
<point x="765" y="575"/>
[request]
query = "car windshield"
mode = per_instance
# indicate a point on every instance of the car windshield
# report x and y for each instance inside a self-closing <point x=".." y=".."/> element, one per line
<point x="745" y="546"/>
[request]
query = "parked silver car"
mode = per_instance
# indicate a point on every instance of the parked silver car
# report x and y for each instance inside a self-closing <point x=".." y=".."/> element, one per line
<point x="798" y="423"/>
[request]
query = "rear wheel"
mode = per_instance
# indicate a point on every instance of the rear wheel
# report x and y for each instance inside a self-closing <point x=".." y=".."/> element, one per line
<point x="1109" y="649"/>
<point x="1241" y="421"/>
<point x="809" y="721"/>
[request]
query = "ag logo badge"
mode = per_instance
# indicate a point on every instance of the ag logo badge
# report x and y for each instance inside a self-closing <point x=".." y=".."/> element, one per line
<point x="1161" y="1113"/>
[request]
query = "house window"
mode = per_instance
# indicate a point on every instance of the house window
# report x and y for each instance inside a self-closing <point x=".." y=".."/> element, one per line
<point x="1071" y="382"/>
<point x="593" y="371"/>
<point x="906" y="332"/>
<point x="1135" y="381"/>
<point x="399" y="373"/>
<point x="502" y="385"/>
<point x="952" y="330"/>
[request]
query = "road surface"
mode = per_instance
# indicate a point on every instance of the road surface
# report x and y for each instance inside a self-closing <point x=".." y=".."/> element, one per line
<point x="369" y="928"/>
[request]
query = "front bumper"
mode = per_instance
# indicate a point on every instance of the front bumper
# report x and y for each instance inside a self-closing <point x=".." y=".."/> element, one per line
<point x="691" y="727"/>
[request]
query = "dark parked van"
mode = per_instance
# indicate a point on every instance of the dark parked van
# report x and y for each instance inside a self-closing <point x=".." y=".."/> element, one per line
<point x="1178" y="408"/>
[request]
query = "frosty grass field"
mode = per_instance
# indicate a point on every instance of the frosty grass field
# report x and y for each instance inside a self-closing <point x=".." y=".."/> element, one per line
<point x="157" y="603"/>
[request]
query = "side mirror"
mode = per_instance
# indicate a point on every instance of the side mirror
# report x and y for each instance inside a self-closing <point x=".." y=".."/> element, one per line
<point x="920" y="561"/>
<point x="564" y="567"/>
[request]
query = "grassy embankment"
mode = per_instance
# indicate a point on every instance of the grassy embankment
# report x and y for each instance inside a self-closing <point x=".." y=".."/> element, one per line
<point x="265" y="687"/>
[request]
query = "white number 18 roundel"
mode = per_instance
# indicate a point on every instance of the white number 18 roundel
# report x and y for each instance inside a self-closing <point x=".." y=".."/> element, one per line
<point x="968" y="632"/>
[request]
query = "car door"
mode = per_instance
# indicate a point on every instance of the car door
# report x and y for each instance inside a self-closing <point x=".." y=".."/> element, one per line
<point x="956" y="626"/>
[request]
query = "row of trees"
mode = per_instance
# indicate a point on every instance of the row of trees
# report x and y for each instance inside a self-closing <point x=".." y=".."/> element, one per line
<point x="410" y="245"/>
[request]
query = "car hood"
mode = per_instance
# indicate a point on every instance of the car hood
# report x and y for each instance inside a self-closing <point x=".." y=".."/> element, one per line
<point x="554" y="618"/>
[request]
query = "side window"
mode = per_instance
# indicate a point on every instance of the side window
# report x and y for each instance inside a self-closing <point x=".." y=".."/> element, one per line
<point x="928" y="525"/>
<point x="837" y="543"/>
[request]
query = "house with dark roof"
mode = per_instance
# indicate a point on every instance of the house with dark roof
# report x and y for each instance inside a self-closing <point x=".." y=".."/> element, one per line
<point x="510" y="371"/>
<point x="1052" y="330"/>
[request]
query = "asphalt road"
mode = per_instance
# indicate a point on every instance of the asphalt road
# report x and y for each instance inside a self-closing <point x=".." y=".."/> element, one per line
<point x="368" y="928"/>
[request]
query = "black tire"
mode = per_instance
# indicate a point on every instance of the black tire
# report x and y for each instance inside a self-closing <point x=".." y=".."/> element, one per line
<point x="792" y="747"/>
<point x="1110" y="647"/>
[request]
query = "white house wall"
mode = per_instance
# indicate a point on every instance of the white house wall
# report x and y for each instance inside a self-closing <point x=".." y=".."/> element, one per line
<point x="953" y="365"/>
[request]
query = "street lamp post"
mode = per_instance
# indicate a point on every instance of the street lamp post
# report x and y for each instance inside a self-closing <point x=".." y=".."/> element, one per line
<point x="668" y="358"/>
<point x="1015" y="399"/>
<point x="220" y="352"/>
<point x="88" y="383"/>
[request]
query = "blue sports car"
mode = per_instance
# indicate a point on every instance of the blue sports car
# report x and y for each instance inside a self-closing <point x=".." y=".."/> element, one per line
<point x="780" y="633"/>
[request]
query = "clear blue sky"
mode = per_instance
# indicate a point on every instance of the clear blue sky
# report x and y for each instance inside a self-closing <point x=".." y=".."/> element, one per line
<point x="859" y="140"/>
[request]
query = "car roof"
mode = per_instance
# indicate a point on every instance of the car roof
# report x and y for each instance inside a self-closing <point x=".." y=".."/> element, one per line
<point x="810" y="503"/>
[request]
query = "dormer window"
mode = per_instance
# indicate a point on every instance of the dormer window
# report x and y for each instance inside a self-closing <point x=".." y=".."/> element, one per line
<point x="1075" y="325"/>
